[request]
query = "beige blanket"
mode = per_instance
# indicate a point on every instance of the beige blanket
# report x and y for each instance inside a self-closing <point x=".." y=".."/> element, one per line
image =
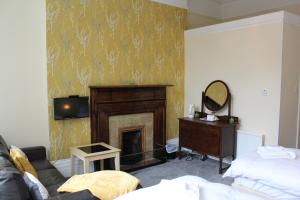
<point x="106" y="185"/>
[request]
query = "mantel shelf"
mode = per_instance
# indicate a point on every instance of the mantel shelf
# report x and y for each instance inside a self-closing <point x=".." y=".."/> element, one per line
<point x="131" y="86"/>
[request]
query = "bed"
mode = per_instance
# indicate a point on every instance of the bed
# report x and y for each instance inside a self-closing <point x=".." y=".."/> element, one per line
<point x="276" y="178"/>
<point x="190" y="188"/>
<point x="255" y="178"/>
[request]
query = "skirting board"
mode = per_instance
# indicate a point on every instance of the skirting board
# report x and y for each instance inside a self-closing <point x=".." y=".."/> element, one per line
<point x="175" y="141"/>
<point x="64" y="166"/>
<point x="246" y="142"/>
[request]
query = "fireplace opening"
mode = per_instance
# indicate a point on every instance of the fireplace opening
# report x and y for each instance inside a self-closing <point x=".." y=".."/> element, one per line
<point x="132" y="144"/>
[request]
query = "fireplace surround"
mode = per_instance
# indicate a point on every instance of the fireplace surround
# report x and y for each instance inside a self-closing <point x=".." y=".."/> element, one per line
<point x="107" y="101"/>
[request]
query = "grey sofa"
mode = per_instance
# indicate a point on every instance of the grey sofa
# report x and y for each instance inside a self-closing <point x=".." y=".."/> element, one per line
<point x="13" y="187"/>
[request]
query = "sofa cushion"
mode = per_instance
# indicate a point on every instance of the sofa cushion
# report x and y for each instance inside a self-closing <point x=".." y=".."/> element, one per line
<point x="50" y="177"/>
<point x="82" y="195"/>
<point x="5" y="162"/>
<point x="2" y="141"/>
<point x="12" y="185"/>
<point x="35" y="153"/>
<point x="3" y="148"/>
<point x="36" y="188"/>
<point x="52" y="189"/>
<point x="41" y="165"/>
<point x="3" y="151"/>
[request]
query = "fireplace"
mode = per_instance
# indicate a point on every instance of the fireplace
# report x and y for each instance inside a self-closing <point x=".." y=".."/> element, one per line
<point x="132" y="114"/>
<point x="131" y="141"/>
<point x="120" y="124"/>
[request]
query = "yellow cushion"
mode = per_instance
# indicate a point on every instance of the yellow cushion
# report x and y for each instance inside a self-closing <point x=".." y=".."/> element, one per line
<point x="106" y="185"/>
<point x="17" y="164"/>
<point x="22" y="163"/>
<point x="16" y="152"/>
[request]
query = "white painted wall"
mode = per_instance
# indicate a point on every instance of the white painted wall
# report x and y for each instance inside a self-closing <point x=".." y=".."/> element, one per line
<point x="247" y="55"/>
<point x="288" y="129"/>
<point x="298" y="134"/>
<point x="23" y="74"/>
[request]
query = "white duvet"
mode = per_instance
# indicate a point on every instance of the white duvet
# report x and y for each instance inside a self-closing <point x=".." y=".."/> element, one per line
<point x="266" y="190"/>
<point x="282" y="174"/>
<point x="188" y="188"/>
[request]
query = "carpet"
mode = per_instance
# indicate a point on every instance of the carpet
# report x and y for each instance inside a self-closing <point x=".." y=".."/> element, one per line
<point x="175" y="168"/>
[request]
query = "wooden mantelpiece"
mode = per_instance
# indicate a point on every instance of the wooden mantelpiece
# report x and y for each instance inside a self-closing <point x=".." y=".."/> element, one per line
<point x="131" y="86"/>
<point x="106" y="101"/>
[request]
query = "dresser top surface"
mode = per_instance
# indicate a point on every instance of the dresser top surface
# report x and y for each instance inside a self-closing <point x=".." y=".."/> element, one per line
<point x="217" y="123"/>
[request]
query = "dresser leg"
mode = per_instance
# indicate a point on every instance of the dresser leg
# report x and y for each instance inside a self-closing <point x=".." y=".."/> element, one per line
<point x="179" y="152"/>
<point x="204" y="157"/>
<point x="220" y="167"/>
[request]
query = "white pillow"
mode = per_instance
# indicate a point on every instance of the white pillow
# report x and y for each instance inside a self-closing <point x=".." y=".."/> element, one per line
<point x="36" y="188"/>
<point x="280" y="173"/>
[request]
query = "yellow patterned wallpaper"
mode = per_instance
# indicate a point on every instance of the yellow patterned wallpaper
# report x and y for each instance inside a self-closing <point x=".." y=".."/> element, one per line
<point x="104" y="42"/>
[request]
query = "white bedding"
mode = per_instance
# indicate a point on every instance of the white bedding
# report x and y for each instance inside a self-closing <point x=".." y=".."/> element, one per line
<point x="275" y="152"/>
<point x="188" y="188"/>
<point x="283" y="174"/>
<point x="261" y="188"/>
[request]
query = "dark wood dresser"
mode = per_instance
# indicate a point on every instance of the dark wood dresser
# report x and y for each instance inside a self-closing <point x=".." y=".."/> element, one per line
<point x="209" y="138"/>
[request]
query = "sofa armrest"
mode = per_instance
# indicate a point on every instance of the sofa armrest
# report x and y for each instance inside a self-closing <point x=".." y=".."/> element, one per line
<point x="35" y="153"/>
<point x="81" y="195"/>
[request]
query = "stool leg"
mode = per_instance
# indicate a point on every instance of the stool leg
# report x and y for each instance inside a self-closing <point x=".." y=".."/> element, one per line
<point x="117" y="161"/>
<point x="101" y="164"/>
<point x="73" y="167"/>
<point x="86" y="166"/>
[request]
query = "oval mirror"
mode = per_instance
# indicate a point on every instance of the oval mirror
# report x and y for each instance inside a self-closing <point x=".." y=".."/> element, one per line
<point x="216" y="95"/>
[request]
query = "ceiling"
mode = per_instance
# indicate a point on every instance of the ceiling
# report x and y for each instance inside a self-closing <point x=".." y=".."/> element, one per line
<point x="229" y="9"/>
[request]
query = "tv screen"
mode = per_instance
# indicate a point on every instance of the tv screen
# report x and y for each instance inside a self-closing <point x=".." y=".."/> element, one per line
<point x="71" y="107"/>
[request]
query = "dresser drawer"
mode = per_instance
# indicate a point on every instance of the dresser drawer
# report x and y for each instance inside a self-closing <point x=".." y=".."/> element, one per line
<point x="200" y="137"/>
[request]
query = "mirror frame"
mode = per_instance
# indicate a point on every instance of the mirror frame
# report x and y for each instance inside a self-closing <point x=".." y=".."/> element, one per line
<point x="227" y="98"/>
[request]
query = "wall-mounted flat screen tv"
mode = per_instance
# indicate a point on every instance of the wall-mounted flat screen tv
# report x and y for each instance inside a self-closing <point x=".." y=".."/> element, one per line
<point x="71" y="107"/>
